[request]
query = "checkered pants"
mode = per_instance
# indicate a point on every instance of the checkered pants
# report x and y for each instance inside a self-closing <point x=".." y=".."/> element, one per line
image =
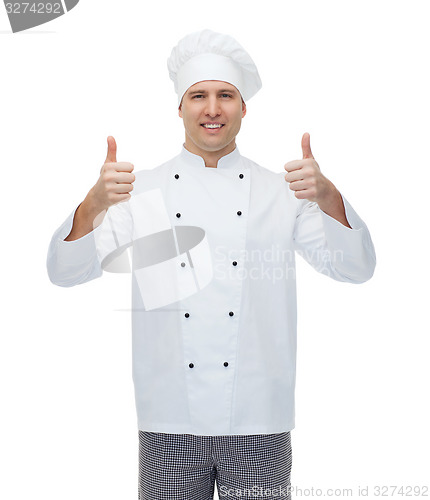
<point x="186" y="466"/>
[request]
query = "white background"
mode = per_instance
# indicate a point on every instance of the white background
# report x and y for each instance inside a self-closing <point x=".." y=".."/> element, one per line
<point x="352" y="74"/>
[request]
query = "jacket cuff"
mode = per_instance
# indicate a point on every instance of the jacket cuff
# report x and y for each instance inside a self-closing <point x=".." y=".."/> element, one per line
<point x="79" y="250"/>
<point x="340" y="236"/>
<point x="351" y="248"/>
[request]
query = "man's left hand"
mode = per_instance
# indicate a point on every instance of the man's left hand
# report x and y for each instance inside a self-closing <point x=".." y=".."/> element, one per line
<point x="305" y="177"/>
<point x="308" y="183"/>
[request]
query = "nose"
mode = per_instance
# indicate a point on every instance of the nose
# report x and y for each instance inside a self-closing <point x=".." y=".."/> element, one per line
<point x="212" y="106"/>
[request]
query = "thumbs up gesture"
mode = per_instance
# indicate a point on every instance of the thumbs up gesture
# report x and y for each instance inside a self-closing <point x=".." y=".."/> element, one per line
<point x="305" y="177"/>
<point x="115" y="181"/>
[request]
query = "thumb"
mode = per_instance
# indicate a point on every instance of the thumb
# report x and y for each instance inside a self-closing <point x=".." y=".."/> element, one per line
<point x="306" y="146"/>
<point x="111" y="153"/>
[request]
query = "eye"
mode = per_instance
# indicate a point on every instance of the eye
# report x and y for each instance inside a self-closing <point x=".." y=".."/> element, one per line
<point x="226" y="95"/>
<point x="197" y="96"/>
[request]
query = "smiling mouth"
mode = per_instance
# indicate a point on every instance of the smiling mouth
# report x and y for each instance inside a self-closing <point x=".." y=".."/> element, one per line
<point x="212" y="126"/>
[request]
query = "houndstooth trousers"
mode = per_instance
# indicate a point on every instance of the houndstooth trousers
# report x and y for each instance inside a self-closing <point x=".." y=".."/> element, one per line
<point x="186" y="466"/>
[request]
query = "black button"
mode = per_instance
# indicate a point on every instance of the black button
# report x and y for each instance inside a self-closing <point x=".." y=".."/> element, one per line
<point x="182" y="264"/>
<point x="225" y="363"/>
<point x="231" y="313"/>
<point x="239" y="213"/>
<point x="178" y="215"/>
<point x="187" y="315"/>
<point x="191" y="365"/>
<point x="176" y="176"/>
<point x="240" y="176"/>
<point x="234" y="263"/>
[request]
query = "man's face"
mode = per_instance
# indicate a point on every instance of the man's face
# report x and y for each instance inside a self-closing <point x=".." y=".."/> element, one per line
<point x="212" y="112"/>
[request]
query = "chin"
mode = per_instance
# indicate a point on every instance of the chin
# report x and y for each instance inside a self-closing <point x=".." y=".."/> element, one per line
<point x="213" y="148"/>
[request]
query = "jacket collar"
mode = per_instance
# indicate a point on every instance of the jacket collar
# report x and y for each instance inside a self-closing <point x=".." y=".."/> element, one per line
<point x="227" y="161"/>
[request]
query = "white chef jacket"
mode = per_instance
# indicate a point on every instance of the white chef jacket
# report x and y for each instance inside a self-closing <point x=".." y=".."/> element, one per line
<point x="215" y="353"/>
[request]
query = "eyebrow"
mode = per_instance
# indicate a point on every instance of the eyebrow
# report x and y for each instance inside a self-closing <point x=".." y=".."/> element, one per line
<point x="205" y="91"/>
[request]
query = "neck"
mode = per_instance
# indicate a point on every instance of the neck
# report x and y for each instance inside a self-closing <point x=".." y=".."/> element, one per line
<point x="210" y="157"/>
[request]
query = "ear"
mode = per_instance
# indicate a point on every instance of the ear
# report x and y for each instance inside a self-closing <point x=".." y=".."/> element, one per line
<point x="243" y="108"/>
<point x="180" y="110"/>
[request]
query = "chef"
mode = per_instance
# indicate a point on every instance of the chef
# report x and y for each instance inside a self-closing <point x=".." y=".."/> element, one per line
<point x="210" y="239"/>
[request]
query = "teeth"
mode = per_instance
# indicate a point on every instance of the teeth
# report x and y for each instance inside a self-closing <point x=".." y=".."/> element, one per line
<point x="212" y="125"/>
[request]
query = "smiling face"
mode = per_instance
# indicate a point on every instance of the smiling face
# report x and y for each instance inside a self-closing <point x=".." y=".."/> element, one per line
<point x="212" y="112"/>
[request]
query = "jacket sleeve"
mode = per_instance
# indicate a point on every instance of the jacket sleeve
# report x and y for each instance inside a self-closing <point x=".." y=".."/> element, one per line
<point x="342" y="253"/>
<point x="71" y="263"/>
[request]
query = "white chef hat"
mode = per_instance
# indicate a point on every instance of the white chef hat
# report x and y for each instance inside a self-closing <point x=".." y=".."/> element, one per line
<point x="207" y="55"/>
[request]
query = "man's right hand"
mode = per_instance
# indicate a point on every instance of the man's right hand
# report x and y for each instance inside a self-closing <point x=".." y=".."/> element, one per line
<point x="115" y="181"/>
<point x="113" y="186"/>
